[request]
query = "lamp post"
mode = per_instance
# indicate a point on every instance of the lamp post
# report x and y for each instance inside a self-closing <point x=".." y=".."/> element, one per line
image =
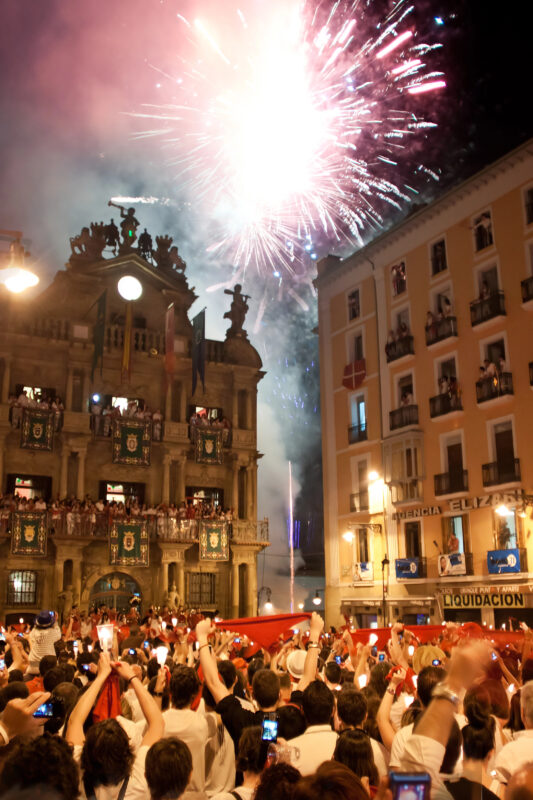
<point x="15" y="277"/>
<point x="384" y="564"/>
<point x="130" y="289"/>
<point x="268" y="605"/>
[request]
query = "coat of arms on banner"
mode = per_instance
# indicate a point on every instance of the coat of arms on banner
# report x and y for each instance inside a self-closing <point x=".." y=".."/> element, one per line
<point x="214" y="541"/>
<point x="29" y="533"/>
<point x="37" y="430"/>
<point x="208" y="446"/>
<point x="129" y="545"/>
<point x="132" y="440"/>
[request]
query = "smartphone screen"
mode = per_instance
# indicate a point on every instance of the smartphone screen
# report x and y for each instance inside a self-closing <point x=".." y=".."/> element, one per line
<point x="374" y="651"/>
<point x="381" y="657"/>
<point x="46" y="710"/>
<point x="146" y="644"/>
<point x="237" y="641"/>
<point x="86" y="667"/>
<point x="132" y="651"/>
<point x="410" y="785"/>
<point x="270" y="730"/>
<point x="2" y="664"/>
<point x="338" y="659"/>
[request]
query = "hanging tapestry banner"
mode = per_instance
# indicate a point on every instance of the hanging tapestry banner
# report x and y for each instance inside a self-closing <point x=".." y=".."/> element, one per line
<point x="28" y="533"/>
<point x="208" y="447"/>
<point x="37" y="431"/>
<point x="214" y="541"/>
<point x="131" y="442"/>
<point x="129" y="544"/>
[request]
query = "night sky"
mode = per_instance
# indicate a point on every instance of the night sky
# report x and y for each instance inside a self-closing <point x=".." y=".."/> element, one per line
<point x="70" y="72"/>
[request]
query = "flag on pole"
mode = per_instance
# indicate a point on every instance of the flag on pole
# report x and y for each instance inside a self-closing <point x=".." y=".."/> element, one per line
<point x="198" y="349"/>
<point x="170" y="359"/>
<point x="99" y="334"/>
<point x="126" y="350"/>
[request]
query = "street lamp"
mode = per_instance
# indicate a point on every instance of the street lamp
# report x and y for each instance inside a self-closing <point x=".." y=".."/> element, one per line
<point x="385" y="563"/>
<point x="317" y="600"/>
<point x="129" y="288"/>
<point x="268" y="605"/>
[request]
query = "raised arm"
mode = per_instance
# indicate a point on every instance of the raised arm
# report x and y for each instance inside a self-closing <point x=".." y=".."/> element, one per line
<point x="385" y="726"/>
<point x="152" y="712"/>
<point x="316" y="627"/>
<point x="208" y="662"/>
<point x="75" y="733"/>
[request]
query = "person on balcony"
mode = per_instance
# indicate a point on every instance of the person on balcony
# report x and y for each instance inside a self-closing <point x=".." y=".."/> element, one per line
<point x="431" y="324"/>
<point x="157" y="425"/>
<point x="446" y="307"/>
<point x="391" y="341"/>
<point x="407" y="399"/>
<point x="403" y="330"/>
<point x="454" y="391"/>
<point x="444" y="386"/>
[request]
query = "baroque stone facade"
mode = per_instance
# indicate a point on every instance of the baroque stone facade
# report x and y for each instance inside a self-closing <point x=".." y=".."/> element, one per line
<point x="47" y="342"/>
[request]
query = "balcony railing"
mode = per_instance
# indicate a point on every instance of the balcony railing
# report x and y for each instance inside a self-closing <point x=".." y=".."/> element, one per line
<point x="363" y="571"/>
<point x="357" y="433"/>
<point x="87" y="525"/>
<point x="401" y="347"/>
<point x="406" y="491"/>
<point x="410" y="568"/>
<point x="451" y="482"/>
<point x="405" y="415"/>
<point x="101" y="426"/>
<point x="502" y="561"/>
<point x="359" y="501"/>
<point x="444" y="404"/>
<point x="487" y="308"/>
<point x="496" y="473"/>
<point x="527" y="289"/>
<point x="441" y="329"/>
<point x="498" y="386"/>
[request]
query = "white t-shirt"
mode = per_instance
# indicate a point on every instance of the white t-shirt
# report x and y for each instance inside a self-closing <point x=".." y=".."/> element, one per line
<point x="243" y="792"/>
<point x="514" y="755"/>
<point x="315" y="746"/>
<point x="219" y="759"/>
<point x="42" y="644"/>
<point x="137" y="786"/>
<point x="191" y="727"/>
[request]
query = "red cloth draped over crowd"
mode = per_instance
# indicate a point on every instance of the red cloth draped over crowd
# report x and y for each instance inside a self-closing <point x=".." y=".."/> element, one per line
<point x="264" y="630"/>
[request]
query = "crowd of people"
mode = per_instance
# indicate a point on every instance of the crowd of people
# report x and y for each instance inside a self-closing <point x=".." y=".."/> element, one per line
<point x="159" y="710"/>
<point x="43" y="402"/>
<point x="71" y="515"/>
<point x="102" y="416"/>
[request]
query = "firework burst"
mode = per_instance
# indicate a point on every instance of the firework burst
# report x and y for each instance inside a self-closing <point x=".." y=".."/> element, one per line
<point x="297" y="125"/>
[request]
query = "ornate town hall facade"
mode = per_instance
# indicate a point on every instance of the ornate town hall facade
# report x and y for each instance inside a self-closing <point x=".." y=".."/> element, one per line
<point x="79" y="340"/>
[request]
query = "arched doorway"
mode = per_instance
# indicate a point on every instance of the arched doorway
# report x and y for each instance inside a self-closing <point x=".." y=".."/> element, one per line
<point x="114" y="590"/>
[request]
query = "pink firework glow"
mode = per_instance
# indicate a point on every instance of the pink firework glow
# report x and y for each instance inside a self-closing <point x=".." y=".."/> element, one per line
<point x="296" y="124"/>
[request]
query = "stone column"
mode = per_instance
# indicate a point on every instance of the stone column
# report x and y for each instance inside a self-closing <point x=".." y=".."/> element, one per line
<point x="249" y="411"/>
<point x="168" y="400"/>
<point x="80" y="485"/>
<point x="249" y="492"/>
<point x="165" y="492"/>
<point x="251" y="589"/>
<point x="2" y="447"/>
<point x="86" y="391"/>
<point x="235" y="488"/>
<point x="181" y="478"/>
<point x="6" y="380"/>
<point x="70" y="387"/>
<point x="164" y="581"/>
<point x="76" y="579"/>
<point x="234" y="590"/>
<point x="183" y="402"/>
<point x="63" y="475"/>
<point x="180" y="566"/>
<point x="235" y="408"/>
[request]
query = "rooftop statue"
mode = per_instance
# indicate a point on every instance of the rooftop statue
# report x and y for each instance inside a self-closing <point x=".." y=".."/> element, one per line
<point x="128" y="226"/>
<point x="237" y="312"/>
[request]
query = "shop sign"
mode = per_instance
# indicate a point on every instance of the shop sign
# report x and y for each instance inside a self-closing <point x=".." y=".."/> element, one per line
<point x="485" y="501"/>
<point x="492" y="600"/>
<point x="416" y="513"/>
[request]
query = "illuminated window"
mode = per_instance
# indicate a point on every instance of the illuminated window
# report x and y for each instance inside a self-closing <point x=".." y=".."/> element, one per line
<point x="22" y="588"/>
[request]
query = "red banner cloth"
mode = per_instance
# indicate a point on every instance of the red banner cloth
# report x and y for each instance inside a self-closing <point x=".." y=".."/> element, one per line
<point x="264" y="630"/>
<point x="425" y="634"/>
<point x="108" y="704"/>
<point x="354" y="374"/>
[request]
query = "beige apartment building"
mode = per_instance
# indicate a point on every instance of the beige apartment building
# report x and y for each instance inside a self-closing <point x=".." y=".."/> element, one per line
<point x="47" y="347"/>
<point x="426" y="357"/>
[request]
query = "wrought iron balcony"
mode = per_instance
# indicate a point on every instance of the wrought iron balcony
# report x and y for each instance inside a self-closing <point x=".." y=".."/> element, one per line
<point x="451" y="482"/>
<point x="496" y="473"/>
<point x="357" y="433"/>
<point x="441" y="329"/>
<point x="405" y="415"/>
<point x="410" y="568"/>
<point x="487" y="308"/>
<point x="527" y="289"/>
<point x="400" y="348"/>
<point x="444" y="404"/>
<point x="490" y="388"/>
<point x="359" y="501"/>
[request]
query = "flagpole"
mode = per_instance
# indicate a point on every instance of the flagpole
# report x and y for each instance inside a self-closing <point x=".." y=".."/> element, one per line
<point x="291" y="537"/>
